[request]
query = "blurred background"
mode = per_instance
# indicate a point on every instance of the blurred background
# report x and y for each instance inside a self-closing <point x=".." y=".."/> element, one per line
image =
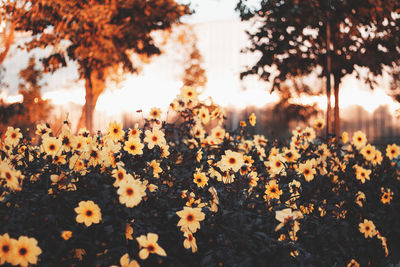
<point x="282" y="60"/>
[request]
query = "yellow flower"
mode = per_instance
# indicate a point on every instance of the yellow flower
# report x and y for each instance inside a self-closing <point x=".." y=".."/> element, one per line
<point x="217" y="133"/>
<point x="309" y="134"/>
<point x="42" y="130"/>
<point x="126" y="262"/>
<point x="154" y="137"/>
<point x="155" y="166"/>
<point x="377" y="158"/>
<point x="128" y="232"/>
<point x="131" y="192"/>
<point x="392" y="151"/>
<point x="188" y="94"/>
<point x="7" y="248"/>
<point x="242" y="124"/>
<point x="272" y="190"/>
<point x="386" y="196"/>
<point x="345" y="137"/>
<point x="353" y="263"/>
<point x="190" y="219"/>
<point x="360" y="198"/>
<point x="88" y="213"/>
<point x="319" y="123"/>
<point x="189" y="242"/>
<point x="359" y="139"/>
<point x="307" y="170"/>
<point x="148" y="244"/>
<point x="231" y="161"/>
<point x="368" y="152"/>
<point x="12" y="136"/>
<point x="164" y="150"/>
<point x="119" y="174"/>
<point x="252" y="119"/>
<point x="26" y="251"/>
<point x="155" y="113"/>
<point x="200" y="179"/>
<point x="51" y="145"/>
<point x="114" y="131"/>
<point x="135" y="132"/>
<point x="287" y="216"/>
<point x="66" y="235"/>
<point x="204" y="115"/>
<point x="291" y="154"/>
<point x="362" y="174"/>
<point x="367" y="228"/>
<point x="133" y="146"/>
<point x="10" y="175"/>
<point x="275" y="165"/>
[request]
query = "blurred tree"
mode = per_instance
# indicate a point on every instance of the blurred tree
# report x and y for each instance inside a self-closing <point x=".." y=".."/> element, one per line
<point x="34" y="107"/>
<point x="331" y="37"/>
<point x="194" y="73"/>
<point x="7" y="29"/>
<point x="101" y="36"/>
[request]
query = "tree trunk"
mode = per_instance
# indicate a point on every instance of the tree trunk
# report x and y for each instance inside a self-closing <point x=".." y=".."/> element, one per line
<point x="328" y="77"/>
<point x="7" y="41"/>
<point x="336" y="111"/>
<point x="94" y="85"/>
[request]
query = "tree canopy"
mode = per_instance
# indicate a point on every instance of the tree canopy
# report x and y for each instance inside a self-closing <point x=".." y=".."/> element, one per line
<point x="99" y="35"/>
<point x="292" y="36"/>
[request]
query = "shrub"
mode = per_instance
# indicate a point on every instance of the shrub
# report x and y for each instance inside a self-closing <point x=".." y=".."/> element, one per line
<point x="176" y="194"/>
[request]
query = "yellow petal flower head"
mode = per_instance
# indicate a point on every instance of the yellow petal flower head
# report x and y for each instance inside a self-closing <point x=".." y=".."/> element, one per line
<point x="7" y="248"/>
<point x="148" y="244"/>
<point x="154" y="137"/>
<point x="231" y="161"/>
<point x="392" y="151"/>
<point x="51" y="145"/>
<point x="204" y="115"/>
<point x="319" y="123"/>
<point x="155" y="167"/>
<point x="309" y="134"/>
<point x="188" y="94"/>
<point x="272" y="190"/>
<point x="119" y="174"/>
<point x="189" y="242"/>
<point x="26" y="251"/>
<point x="367" y="228"/>
<point x="66" y="235"/>
<point x="155" y="113"/>
<point x="131" y="192"/>
<point x="252" y="119"/>
<point x="307" y="170"/>
<point x="368" y="152"/>
<point x="275" y="165"/>
<point x="353" y="263"/>
<point x="88" y="213"/>
<point x="360" y="198"/>
<point x="200" y="179"/>
<point x="287" y="216"/>
<point x="190" y="219"/>
<point x="114" y="131"/>
<point x="42" y="130"/>
<point x="361" y="173"/>
<point x="359" y="139"/>
<point x="12" y="136"/>
<point x="126" y="262"/>
<point x="345" y="137"/>
<point x="134" y="146"/>
<point x="387" y="195"/>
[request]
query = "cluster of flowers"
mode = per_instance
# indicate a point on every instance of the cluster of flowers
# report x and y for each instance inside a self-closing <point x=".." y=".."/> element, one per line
<point x="135" y="192"/>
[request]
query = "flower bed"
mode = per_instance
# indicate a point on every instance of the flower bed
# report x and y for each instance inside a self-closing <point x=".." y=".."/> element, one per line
<point x="194" y="193"/>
